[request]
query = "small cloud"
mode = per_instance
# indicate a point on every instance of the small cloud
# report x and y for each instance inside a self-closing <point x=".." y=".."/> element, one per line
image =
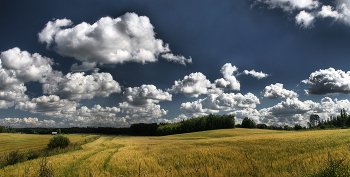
<point x="177" y="58"/>
<point x="258" y="75"/>
<point x="304" y="19"/>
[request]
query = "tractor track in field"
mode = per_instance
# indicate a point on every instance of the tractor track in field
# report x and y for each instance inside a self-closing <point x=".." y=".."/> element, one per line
<point x="106" y="145"/>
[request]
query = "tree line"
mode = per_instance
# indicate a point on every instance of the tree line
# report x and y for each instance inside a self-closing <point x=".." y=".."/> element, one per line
<point x="340" y="121"/>
<point x="210" y="122"/>
<point x="7" y="129"/>
<point x="203" y="123"/>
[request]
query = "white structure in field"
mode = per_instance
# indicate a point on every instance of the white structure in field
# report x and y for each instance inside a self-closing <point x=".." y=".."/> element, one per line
<point x="54" y="133"/>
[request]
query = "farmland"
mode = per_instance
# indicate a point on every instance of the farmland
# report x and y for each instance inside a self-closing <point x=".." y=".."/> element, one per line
<point x="226" y="152"/>
<point x="26" y="142"/>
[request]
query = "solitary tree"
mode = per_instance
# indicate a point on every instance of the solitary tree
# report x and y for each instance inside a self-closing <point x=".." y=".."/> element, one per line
<point x="314" y="120"/>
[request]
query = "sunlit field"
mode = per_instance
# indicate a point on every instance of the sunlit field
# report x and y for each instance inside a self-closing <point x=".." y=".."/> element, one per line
<point x="228" y="152"/>
<point x="26" y="142"/>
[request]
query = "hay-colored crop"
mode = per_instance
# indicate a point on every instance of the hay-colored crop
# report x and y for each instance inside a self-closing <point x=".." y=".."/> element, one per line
<point x="229" y="152"/>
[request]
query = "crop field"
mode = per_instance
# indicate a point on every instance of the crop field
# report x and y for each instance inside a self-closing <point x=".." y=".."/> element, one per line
<point x="26" y="142"/>
<point x="227" y="152"/>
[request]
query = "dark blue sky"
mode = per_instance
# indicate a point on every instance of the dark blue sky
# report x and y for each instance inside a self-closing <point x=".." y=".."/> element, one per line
<point x="299" y="52"/>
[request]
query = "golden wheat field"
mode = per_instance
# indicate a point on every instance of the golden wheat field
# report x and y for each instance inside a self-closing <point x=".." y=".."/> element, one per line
<point x="227" y="152"/>
<point x="25" y="142"/>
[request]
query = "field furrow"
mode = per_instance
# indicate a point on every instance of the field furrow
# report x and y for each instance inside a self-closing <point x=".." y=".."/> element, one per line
<point x="229" y="152"/>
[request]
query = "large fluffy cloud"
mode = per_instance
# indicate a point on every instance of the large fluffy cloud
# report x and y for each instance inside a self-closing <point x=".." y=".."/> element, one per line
<point x="339" y="13"/>
<point x="142" y="114"/>
<point x="277" y="91"/>
<point x="328" y="81"/>
<point x="192" y="85"/>
<point x="229" y="81"/>
<point x="127" y="38"/>
<point x="145" y="95"/>
<point x="19" y="67"/>
<point x="79" y="86"/>
<point x="214" y="103"/>
<point x="49" y="105"/>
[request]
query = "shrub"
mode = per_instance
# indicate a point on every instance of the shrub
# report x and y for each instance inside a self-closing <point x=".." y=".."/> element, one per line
<point x="14" y="157"/>
<point x="58" y="141"/>
<point x="323" y="126"/>
<point x="33" y="154"/>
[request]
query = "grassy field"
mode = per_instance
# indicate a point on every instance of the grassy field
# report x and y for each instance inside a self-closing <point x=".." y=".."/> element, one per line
<point x="228" y="152"/>
<point x="26" y="142"/>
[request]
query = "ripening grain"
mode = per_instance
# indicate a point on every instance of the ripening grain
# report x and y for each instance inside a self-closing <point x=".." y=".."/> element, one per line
<point x="229" y="152"/>
<point x="26" y="142"/>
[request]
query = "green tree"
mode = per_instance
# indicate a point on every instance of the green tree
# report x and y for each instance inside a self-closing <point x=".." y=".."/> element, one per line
<point x="248" y="123"/>
<point x="313" y="121"/>
<point x="297" y="127"/>
<point x="59" y="131"/>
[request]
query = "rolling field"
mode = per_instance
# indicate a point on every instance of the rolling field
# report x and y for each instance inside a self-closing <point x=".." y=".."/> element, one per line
<point x="228" y="152"/>
<point x="25" y="142"/>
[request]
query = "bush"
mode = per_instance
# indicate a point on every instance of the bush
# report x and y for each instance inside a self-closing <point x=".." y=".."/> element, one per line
<point x="323" y="126"/>
<point x="58" y="141"/>
<point x="14" y="157"/>
<point x="33" y="154"/>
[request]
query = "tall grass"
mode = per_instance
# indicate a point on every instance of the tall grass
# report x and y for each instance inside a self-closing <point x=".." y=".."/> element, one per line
<point x="229" y="152"/>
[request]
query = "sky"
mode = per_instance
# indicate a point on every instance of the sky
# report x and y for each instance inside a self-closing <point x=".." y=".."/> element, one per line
<point x="115" y="63"/>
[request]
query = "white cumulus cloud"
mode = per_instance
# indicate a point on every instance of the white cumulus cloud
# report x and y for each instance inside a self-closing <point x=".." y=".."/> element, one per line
<point x="142" y="114"/>
<point x="27" y="122"/>
<point x="127" y="38"/>
<point x="258" y="75"/>
<point x="288" y="5"/>
<point x="304" y="19"/>
<point x="77" y="86"/>
<point x="277" y="91"/>
<point x="145" y="95"/>
<point x="229" y="81"/>
<point x="326" y="81"/>
<point x="192" y="85"/>
<point x="214" y="103"/>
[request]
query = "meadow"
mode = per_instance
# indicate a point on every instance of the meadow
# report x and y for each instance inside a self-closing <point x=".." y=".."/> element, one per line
<point x="225" y="152"/>
<point x="26" y="142"/>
